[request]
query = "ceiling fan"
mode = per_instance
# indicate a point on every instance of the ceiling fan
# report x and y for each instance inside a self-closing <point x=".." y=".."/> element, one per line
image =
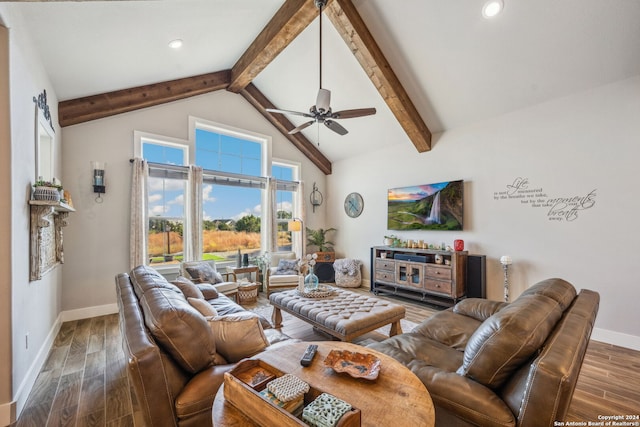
<point x="321" y="111"/>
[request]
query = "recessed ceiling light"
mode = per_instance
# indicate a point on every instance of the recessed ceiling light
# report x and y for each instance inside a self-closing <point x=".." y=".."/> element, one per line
<point x="175" y="44"/>
<point x="492" y="8"/>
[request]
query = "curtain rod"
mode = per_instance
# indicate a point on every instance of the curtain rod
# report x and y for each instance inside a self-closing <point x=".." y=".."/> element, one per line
<point x="210" y="171"/>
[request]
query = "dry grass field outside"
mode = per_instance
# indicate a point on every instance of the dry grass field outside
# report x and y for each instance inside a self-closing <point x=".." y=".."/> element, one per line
<point x="216" y="244"/>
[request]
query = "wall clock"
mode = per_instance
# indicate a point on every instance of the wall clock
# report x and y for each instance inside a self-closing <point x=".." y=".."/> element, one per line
<point x="353" y="205"/>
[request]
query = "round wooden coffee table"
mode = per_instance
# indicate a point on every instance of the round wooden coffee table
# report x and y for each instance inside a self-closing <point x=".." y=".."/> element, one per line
<point x="396" y="397"/>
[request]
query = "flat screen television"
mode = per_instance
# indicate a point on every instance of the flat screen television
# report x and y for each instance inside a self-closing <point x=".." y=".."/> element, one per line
<point x="426" y="207"/>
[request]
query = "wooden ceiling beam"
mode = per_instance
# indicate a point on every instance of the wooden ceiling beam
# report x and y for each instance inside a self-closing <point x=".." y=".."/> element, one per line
<point x="256" y="98"/>
<point x="354" y="32"/>
<point x="80" y="110"/>
<point x="288" y="22"/>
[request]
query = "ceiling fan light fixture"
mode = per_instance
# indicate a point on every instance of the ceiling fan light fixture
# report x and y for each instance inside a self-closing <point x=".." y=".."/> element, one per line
<point x="175" y="44"/>
<point x="321" y="112"/>
<point x="323" y="101"/>
<point x="492" y="8"/>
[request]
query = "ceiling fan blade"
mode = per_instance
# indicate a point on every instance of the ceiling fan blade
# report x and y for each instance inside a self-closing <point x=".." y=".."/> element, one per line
<point x="302" y="126"/>
<point x="349" y="114"/>
<point x="295" y="113"/>
<point x="323" y="101"/>
<point x="334" y="126"/>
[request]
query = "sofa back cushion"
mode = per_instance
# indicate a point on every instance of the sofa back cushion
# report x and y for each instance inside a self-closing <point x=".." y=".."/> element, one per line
<point x="179" y="328"/>
<point x="144" y="278"/>
<point x="511" y="336"/>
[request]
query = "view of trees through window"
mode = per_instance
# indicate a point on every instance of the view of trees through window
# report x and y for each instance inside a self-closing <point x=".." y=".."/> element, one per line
<point x="231" y="213"/>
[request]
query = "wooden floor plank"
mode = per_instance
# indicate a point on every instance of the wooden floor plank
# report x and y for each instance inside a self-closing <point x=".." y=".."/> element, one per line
<point x="84" y="380"/>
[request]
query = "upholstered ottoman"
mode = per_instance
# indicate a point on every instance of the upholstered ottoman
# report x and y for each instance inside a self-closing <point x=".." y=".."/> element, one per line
<point x="345" y="315"/>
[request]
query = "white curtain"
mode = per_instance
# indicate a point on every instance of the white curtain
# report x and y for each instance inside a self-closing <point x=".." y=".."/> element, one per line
<point x="271" y="215"/>
<point x="138" y="223"/>
<point x="303" y="215"/>
<point x="193" y="251"/>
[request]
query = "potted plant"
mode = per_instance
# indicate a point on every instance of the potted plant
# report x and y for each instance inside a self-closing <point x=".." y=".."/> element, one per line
<point x="45" y="190"/>
<point x="318" y="238"/>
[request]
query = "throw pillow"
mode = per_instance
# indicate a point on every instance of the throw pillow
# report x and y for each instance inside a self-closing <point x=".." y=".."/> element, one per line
<point x="238" y="336"/>
<point x="204" y="273"/>
<point x="203" y="307"/>
<point x="208" y="290"/>
<point x="287" y="266"/>
<point x="188" y="288"/>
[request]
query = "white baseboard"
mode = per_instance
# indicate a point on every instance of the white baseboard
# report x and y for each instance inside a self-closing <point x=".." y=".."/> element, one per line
<point x="25" y="387"/>
<point x="7" y="413"/>
<point x="85" y="313"/>
<point x="616" y="338"/>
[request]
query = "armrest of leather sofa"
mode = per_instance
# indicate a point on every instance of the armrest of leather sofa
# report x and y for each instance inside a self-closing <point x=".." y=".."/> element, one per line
<point x="478" y="308"/>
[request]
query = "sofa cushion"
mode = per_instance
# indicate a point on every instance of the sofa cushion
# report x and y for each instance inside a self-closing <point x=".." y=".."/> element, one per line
<point x="478" y="308"/>
<point x="224" y="305"/>
<point x="286" y="267"/>
<point x="557" y="289"/>
<point x="188" y="288"/>
<point x="144" y="278"/>
<point x="203" y="307"/>
<point x="204" y="273"/>
<point x="179" y="328"/>
<point x="208" y="290"/>
<point x="508" y="338"/>
<point x="238" y="335"/>
<point x="448" y="328"/>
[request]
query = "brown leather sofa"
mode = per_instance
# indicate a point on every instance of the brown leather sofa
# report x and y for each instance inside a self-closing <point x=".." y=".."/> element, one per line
<point x="173" y="362"/>
<point x="488" y="363"/>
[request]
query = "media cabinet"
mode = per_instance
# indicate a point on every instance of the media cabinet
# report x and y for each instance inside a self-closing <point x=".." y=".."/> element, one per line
<point x="415" y="274"/>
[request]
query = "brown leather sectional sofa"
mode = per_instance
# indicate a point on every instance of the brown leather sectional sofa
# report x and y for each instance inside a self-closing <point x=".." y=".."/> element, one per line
<point x="488" y="363"/>
<point x="173" y="363"/>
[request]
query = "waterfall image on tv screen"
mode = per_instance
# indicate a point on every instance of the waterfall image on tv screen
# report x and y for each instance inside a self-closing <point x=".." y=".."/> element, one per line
<point x="426" y="207"/>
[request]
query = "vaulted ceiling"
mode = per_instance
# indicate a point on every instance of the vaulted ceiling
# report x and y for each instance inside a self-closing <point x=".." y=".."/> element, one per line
<point x="426" y="65"/>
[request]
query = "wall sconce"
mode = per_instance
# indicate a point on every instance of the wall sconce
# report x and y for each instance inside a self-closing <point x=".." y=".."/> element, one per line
<point x="315" y="198"/>
<point x="99" y="186"/>
<point x="297" y="225"/>
<point x="506" y="261"/>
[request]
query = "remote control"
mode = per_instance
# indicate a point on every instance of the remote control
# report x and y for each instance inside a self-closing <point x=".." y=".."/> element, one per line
<point x="307" y="357"/>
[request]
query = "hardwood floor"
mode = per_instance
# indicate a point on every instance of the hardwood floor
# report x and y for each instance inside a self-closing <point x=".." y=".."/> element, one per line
<point x="84" y="380"/>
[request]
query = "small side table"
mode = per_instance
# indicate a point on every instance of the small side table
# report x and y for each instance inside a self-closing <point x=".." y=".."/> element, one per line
<point x="242" y="270"/>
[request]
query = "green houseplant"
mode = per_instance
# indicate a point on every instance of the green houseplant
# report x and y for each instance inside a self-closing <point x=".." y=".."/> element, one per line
<point x="318" y="238"/>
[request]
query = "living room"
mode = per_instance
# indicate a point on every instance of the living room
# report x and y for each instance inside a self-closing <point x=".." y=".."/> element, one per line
<point x="570" y="145"/>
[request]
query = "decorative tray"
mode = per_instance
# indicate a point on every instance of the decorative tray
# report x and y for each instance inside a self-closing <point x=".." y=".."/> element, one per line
<point x="245" y="384"/>
<point x="323" y="291"/>
<point x="358" y="365"/>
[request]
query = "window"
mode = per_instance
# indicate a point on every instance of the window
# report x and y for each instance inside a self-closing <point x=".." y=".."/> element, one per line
<point x="234" y="194"/>
<point x="166" y="207"/>
<point x="284" y="205"/>
<point x="232" y="206"/>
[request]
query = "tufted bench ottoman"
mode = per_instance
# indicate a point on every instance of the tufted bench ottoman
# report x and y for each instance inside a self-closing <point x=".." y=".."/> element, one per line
<point x="346" y="315"/>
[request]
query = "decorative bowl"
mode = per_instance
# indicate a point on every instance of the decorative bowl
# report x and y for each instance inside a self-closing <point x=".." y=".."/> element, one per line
<point x="358" y="365"/>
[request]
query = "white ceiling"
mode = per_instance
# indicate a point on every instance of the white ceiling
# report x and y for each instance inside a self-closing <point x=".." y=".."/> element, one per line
<point x="457" y="67"/>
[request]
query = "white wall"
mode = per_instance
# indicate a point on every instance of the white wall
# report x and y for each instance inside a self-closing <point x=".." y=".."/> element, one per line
<point x="35" y="305"/>
<point x="97" y="239"/>
<point x="567" y="147"/>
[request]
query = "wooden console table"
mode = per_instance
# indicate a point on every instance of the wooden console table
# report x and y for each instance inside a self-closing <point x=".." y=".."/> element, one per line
<point x="429" y="275"/>
<point x="396" y="397"/>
